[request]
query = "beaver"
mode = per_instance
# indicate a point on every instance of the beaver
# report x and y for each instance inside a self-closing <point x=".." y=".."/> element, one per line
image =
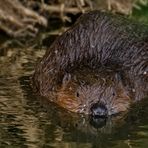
<point x="98" y="40"/>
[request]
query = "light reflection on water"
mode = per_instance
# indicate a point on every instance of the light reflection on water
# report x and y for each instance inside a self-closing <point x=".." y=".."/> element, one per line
<point x="27" y="121"/>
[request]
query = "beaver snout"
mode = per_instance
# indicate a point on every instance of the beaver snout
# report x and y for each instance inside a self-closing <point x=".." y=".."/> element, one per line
<point x="99" y="110"/>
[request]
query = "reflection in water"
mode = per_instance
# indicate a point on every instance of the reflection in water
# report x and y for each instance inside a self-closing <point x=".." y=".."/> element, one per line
<point x="17" y="123"/>
<point x="29" y="121"/>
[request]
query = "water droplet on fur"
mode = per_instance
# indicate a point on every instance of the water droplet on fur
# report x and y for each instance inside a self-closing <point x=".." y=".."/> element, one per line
<point x="56" y="51"/>
<point x="145" y="73"/>
<point x="92" y="46"/>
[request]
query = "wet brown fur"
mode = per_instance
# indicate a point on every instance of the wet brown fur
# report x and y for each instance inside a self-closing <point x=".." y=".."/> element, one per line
<point x="85" y="87"/>
<point x="97" y="39"/>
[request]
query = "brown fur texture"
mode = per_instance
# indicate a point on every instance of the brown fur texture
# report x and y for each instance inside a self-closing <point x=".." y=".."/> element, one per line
<point x="85" y="87"/>
<point x="97" y="41"/>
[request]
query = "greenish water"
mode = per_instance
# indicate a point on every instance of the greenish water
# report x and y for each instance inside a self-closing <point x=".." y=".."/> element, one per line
<point x="27" y="121"/>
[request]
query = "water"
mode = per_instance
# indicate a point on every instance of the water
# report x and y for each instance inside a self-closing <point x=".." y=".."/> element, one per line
<point x="27" y="121"/>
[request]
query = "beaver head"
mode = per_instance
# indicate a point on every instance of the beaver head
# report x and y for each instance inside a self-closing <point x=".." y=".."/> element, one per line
<point x="96" y="93"/>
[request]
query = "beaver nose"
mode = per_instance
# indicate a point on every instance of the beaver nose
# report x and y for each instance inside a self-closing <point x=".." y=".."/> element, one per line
<point x="98" y="110"/>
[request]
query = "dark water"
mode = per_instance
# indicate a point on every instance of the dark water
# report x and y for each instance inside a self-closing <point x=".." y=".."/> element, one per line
<point x="27" y="121"/>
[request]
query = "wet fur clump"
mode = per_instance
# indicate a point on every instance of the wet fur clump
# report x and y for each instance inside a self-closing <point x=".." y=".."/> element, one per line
<point x="97" y="39"/>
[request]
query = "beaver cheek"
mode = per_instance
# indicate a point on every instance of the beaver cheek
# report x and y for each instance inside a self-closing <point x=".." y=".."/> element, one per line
<point x="118" y="108"/>
<point x="68" y="103"/>
<point x="113" y="111"/>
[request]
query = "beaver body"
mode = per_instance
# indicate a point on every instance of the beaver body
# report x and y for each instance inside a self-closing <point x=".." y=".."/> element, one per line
<point x="98" y="40"/>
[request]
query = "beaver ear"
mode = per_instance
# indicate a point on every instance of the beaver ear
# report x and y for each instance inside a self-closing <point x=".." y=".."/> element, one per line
<point x="66" y="79"/>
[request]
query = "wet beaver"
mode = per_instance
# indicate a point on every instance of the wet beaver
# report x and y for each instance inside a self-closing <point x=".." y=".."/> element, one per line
<point x="97" y="39"/>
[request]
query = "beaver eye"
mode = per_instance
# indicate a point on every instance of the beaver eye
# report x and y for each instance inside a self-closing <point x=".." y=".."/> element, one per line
<point x="82" y="82"/>
<point x="113" y="94"/>
<point x="77" y="94"/>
